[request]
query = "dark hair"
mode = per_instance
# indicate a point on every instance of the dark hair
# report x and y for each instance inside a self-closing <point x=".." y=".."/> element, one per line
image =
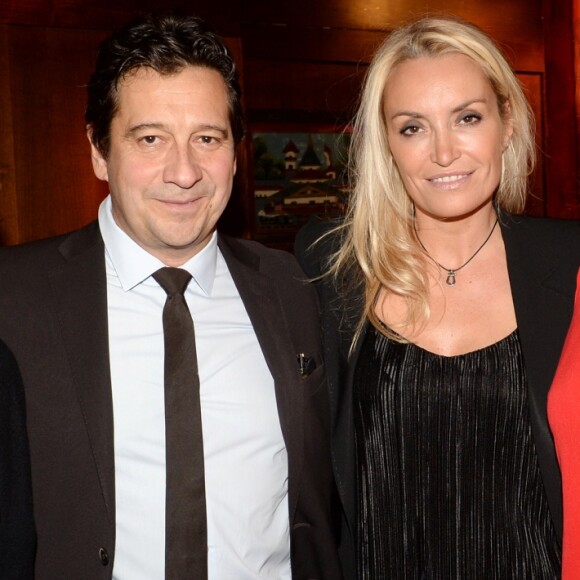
<point x="166" y="44"/>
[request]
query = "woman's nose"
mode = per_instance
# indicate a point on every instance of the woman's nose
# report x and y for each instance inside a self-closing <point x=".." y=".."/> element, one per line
<point x="444" y="148"/>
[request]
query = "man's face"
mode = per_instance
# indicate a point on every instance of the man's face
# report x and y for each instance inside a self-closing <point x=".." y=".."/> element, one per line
<point x="171" y="160"/>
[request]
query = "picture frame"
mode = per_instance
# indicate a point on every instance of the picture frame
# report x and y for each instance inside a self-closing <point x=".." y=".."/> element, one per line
<point x="297" y="172"/>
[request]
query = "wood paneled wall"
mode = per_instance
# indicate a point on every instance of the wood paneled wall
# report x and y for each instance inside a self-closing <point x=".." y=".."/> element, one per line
<point x="48" y="187"/>
<point x="302" y="62"/>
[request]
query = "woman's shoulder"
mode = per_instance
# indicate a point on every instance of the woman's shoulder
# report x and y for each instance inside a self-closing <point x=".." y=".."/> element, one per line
<point x="547" y="228"/>
<point x="541" y="235"/>
<point x="315" y="243"/>
<point x="318" y="232"/>
<point x="546" y="246"/>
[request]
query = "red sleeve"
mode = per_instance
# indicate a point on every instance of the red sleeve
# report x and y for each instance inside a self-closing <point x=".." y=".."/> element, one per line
<point x="564" y="418"/>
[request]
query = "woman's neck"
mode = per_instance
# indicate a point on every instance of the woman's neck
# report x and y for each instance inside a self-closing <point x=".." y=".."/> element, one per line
<point x="452" y="242"/>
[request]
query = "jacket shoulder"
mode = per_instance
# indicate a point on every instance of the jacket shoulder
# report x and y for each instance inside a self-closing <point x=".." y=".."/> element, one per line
<point x="546" y="243"/>
<point x="269" y="261"/>
<point x="541" y="230"/>
<point x="25" y="269"/>
<point x="50" y="251"/>
<point x="315" y="243"/>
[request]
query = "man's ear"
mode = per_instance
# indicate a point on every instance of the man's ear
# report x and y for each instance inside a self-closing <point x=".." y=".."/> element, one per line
<point x="97" y="159"/>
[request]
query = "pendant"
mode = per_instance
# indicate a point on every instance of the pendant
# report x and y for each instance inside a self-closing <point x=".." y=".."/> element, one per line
<point x="450" y="278"/>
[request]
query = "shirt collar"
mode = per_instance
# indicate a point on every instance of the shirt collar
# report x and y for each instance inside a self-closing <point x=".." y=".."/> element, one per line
<point x="134" y="265"/>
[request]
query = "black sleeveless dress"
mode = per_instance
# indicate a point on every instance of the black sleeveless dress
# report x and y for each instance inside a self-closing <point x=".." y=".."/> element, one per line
<point x="448" y="478"/>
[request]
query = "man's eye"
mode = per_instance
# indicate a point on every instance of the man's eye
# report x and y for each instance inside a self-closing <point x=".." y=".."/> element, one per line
<point x="207" y="139"/>
<point x="149" y="139"/>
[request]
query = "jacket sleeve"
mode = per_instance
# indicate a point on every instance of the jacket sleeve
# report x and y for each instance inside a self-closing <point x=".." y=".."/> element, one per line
<point x="17" y="534"/>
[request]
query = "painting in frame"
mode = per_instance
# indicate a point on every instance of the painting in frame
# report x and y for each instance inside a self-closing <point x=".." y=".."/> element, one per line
<point x="299" y="173"/>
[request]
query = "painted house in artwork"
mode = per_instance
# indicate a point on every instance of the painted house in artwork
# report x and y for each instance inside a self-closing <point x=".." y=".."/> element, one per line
<point x="308" y="186"/>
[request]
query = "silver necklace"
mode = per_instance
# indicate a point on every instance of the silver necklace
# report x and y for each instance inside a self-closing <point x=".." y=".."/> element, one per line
<point x="450" y="281"/>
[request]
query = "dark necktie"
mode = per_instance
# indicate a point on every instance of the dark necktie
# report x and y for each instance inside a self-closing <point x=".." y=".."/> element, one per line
<point x="185" y="517"/>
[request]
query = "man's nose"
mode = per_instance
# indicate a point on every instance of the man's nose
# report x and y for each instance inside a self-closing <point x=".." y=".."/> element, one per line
<point x="183" y="167"/>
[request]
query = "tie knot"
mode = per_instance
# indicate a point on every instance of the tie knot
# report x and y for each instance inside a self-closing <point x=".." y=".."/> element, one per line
<point x="172" y="280"/>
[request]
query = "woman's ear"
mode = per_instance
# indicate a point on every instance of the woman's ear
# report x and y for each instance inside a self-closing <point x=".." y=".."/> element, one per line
<point x="508" y="125"/>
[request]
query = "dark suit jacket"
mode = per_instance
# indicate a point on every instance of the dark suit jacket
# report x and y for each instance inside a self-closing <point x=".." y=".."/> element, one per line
<point x="543" y="257"/>
<point x="53" y="315"/>
<point x="17" y="535"/>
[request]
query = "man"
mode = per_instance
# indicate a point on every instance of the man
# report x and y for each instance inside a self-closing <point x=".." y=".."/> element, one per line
<point x="84" y="315"/>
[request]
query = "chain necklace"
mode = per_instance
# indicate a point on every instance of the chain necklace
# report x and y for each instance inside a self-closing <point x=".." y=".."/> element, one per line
<point x="450" y="281"/>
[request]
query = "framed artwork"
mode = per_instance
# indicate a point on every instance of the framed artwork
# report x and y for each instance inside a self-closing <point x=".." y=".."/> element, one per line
<point x="298" y="172"/>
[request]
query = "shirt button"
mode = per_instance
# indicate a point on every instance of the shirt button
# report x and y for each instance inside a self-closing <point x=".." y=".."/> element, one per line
<point x="104" y="556"/>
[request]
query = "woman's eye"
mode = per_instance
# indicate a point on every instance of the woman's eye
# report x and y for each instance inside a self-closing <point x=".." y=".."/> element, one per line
<point x="470" y="119"/>
<point x="410" y="130"/>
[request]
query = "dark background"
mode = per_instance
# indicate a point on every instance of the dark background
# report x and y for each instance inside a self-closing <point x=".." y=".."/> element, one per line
<point x="302" y="63"/>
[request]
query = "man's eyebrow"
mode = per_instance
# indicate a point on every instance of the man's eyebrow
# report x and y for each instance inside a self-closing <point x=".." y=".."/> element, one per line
<point x="160" y="126"/>
<point x="143" y="127"/>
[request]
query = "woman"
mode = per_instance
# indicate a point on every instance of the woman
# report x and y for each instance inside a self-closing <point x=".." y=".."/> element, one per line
<point x="564" y="413"/>
<point x="17" y="535"/>
<point x="444" y="314"/>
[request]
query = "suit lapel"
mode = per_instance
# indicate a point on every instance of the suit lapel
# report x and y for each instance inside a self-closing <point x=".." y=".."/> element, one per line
<point x="263" y="304"/>
<point x="80" y="297"/>
<point x="543" y="311"/>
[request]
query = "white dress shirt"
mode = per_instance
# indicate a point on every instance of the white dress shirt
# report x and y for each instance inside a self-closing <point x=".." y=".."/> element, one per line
<point x="246" y="466"/>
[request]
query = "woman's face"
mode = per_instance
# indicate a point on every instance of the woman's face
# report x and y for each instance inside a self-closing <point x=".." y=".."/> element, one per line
<point x="446" y="134"/>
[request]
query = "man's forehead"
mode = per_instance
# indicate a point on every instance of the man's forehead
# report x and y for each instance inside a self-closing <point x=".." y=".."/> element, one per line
<point x="145" y="83"/>
<point x="193" y="95"/>
<point x="149" y="73"/>
<point x="193" y="82"/>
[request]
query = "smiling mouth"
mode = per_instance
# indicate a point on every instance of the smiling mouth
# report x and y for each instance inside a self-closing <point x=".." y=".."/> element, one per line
<point x="180" y="202"/>
<point x="449" y="178"/>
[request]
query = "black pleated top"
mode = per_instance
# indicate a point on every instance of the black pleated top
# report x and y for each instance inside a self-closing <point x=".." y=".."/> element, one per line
<point x="449" y="482"/>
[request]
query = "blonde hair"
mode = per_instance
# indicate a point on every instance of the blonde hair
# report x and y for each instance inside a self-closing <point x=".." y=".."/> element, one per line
<point x="379" y="243"/>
